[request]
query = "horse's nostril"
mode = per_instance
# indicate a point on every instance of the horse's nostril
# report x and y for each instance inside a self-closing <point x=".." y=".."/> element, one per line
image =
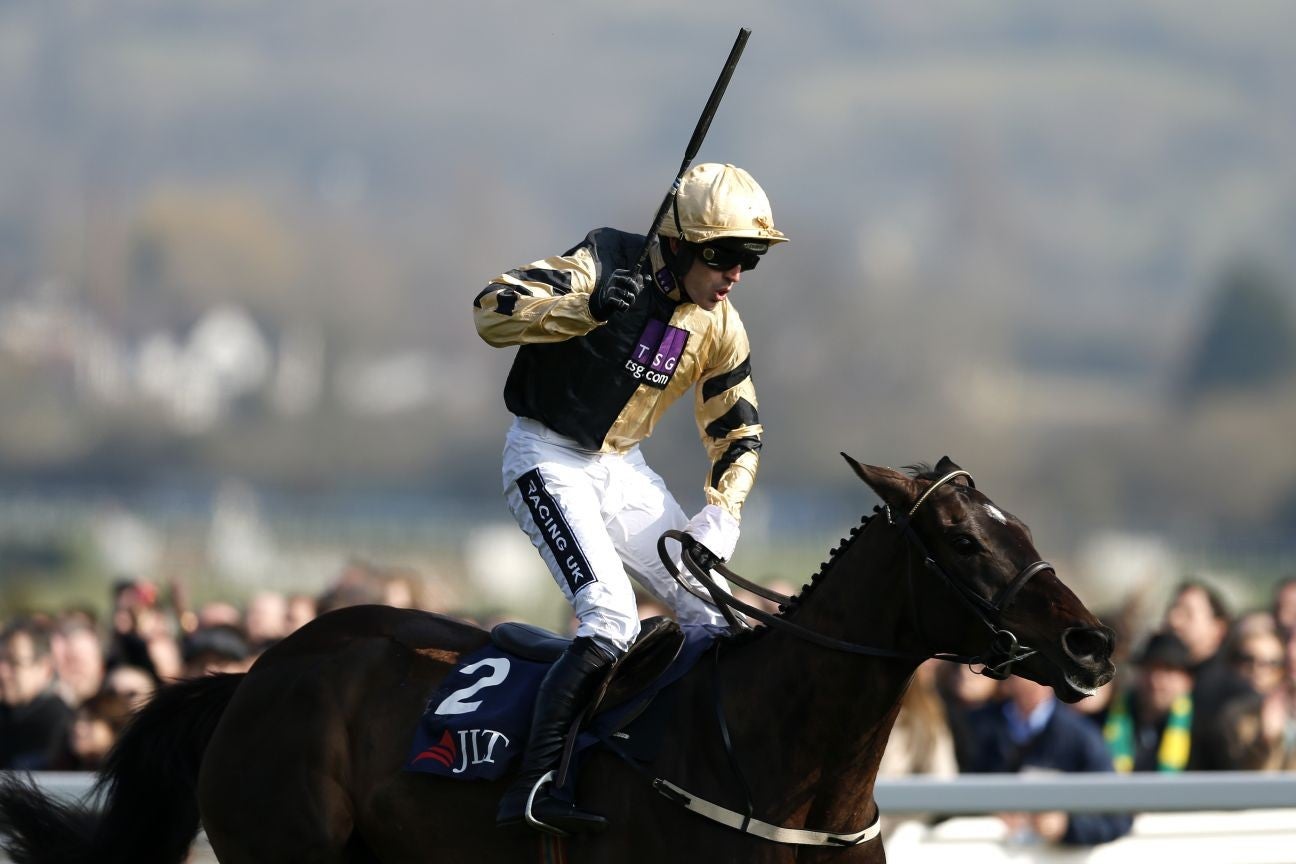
<point x="1088" y="643"/>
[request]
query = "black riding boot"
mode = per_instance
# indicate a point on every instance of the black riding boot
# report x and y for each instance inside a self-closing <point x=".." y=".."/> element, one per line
<point x="566" y="689"/>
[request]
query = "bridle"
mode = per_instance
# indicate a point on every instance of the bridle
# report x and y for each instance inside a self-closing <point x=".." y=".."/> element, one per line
<point x="1004" y="650"/>
<point x="1002" y="653"/>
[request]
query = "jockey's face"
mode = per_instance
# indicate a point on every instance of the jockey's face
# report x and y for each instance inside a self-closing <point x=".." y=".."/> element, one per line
<point x="707" y="286"/>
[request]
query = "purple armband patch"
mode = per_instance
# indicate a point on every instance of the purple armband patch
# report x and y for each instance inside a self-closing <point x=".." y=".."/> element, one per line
<point x="658" y="353"/>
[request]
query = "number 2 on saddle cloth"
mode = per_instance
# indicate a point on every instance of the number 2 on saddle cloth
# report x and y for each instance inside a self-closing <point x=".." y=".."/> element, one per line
<point x="475" y="725"/>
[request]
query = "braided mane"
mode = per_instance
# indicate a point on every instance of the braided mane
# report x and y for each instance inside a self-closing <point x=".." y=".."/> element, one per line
<point x="919" y="471"/>
<point x="807" y="589"/>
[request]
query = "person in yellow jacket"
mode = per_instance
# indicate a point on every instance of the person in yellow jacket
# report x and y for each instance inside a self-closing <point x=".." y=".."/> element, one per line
<point x="1148" y="726"/>
<point x="603" y="351"/>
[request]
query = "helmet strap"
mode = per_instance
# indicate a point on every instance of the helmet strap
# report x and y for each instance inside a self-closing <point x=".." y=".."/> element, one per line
<point x="679" y="261"/>
<point x="682" y="261"/>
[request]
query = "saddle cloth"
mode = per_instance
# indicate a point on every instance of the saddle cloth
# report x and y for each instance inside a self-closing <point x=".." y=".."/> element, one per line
<point x="475" y="726"/>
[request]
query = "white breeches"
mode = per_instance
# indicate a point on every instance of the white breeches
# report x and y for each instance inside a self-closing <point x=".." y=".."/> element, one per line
<point x="596" y="518"/>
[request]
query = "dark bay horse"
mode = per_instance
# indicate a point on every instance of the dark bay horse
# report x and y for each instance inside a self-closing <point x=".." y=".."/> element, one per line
<point x="301" y="758"/>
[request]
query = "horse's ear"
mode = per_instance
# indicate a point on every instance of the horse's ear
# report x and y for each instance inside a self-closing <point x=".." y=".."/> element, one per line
<point x="946" y="465"/>
<point x="895" y="489"/>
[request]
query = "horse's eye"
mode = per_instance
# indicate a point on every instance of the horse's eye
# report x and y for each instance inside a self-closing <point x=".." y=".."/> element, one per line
<point x="965" y="545"/>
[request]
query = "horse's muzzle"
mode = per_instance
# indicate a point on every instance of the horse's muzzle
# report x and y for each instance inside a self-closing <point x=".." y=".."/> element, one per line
<point x="1090" y="649"/>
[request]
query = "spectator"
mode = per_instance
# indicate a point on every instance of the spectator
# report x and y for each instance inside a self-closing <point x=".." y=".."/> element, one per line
<point x="266" y="621"/>
<point x="94" y="731"/>
<point x="1198" y="615"/>
<point x="349" y="593"/>
<point x="78" y="658"/>
<point x="141" y="634"/>
<point x="1284" y="604"/>
<point x="921" y="741"/>
<point x="219" y="613"/>
<point x="1248" y="623"/>
<point x="215" y="649"/>
<point x="34" y="720"/>
<point x="1257" y="729"/>
<point x="301" y="609"/>
<point x="132" y="683"/>
<point x="1148" y="728"/>
<point x="963" y="691"/>
<point x="400" y="587"/>
<point x="1030" y="731"/>
<point x="127" y="644"/>
<point x="165" y="657"/>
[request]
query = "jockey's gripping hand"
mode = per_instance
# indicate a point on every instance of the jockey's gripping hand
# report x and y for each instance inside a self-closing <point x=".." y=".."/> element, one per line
<point x="705" y="558"/>
<point x="615" y="295"/>
<point x="714" y="534"/>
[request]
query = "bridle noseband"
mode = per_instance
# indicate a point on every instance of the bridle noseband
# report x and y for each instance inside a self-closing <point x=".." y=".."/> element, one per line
<point x="1004" y="650"/>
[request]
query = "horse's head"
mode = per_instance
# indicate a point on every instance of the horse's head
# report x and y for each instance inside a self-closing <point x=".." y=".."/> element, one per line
<point x="993" y="583"/>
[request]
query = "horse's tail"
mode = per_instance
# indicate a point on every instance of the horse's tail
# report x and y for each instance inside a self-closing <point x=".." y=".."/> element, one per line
<point x="147" y="786"/>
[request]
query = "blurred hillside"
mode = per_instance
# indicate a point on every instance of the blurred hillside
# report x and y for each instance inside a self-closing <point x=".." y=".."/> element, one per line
<point x="1054" y="241"/>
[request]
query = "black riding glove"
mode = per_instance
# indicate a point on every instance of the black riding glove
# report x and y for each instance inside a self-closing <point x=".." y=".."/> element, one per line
<point x="705" y="558"/>
<point x="615" y="295"/>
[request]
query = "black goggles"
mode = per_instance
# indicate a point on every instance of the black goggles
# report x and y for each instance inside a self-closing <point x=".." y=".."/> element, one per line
<point x="725" y="256"/>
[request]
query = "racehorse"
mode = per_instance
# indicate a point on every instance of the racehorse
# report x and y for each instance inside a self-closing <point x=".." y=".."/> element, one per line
<point x="300" y="759"/>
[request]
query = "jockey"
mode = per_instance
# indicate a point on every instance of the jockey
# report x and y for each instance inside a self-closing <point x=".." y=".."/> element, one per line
<point x="604" y="351"/>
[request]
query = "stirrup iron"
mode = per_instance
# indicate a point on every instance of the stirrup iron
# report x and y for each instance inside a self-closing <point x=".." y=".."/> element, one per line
<point x="531" y="820"/>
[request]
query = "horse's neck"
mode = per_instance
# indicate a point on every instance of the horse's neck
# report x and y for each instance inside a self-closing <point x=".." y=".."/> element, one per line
<point x="828" y="713"/>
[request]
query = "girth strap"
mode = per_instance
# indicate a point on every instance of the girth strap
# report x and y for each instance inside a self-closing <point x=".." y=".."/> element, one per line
<point x="765" y="830"/>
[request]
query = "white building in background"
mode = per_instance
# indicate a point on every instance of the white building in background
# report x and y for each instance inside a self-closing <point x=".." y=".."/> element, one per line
<point x="197" y="376"/>
<point x="387" y="383"/>
<point x="299" y="375"/>
<point x="225" y="357"/>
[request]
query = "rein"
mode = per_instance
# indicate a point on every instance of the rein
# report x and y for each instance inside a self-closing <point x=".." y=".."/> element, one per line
<point x="997" y="661"/>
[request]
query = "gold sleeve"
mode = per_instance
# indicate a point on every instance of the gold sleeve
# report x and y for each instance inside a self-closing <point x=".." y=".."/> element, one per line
<point x="545" y="301"/>
<point x="727" y="417"/>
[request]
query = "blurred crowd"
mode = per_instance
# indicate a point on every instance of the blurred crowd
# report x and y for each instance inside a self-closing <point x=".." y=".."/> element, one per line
<point x="69" y="680"/>
<point x="1206" y="689"/>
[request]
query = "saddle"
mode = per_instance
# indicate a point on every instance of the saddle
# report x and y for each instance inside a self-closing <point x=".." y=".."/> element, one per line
<point x="658" y="644"/>
<point x="474" y="725"/>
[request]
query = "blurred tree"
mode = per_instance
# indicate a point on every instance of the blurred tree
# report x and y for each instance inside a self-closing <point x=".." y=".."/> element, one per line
<point x="1248" y="339"/>
<point x="193" y="248"/>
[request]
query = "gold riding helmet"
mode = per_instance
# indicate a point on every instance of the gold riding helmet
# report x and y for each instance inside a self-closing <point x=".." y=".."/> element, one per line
<point x="721" y="210"/>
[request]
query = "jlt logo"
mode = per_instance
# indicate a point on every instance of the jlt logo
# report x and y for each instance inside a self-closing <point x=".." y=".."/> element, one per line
<point x="477" y="747"/>
<point x="472" y="747"/>
<point x="658" y="353"/>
